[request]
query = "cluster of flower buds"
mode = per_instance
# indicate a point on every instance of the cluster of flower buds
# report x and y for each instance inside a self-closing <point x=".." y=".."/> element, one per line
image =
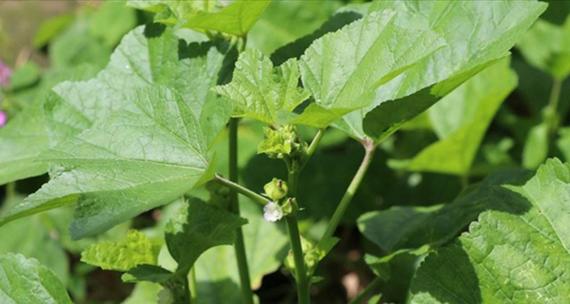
<point x="276" y="190"/>
<point x="282" y="143"/>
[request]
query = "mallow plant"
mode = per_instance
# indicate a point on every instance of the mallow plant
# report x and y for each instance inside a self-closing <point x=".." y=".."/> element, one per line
<point x="142" y="133"/>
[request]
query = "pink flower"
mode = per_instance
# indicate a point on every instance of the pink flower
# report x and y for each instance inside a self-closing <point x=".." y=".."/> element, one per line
<point x="3" y="118"/>
<point x="5" y="73"/>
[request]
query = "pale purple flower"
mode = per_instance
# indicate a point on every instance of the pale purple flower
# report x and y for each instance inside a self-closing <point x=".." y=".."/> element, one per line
<point x="5" y="73"/>
<point x="272" y="212"/>
<point x="3" y="118"/>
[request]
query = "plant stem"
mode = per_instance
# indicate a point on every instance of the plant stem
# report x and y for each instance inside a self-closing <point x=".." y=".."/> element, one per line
<point x="193" y="286"/>
<point x="369" y="148"/>
<point x="301" y="278"/>
<point x="314" y="143"/>
<point x="367" y="292"/>
<point x="551" y="116"/>
<point x="242" y="190"/>
<point x="239" y="246"/>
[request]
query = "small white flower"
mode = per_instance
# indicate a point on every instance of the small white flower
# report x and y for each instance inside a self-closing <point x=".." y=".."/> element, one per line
<point x="272" y="212"/>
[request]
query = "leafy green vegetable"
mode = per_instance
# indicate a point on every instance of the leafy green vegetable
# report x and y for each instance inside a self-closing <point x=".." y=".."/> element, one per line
<point x="198" y="229"/>
<point x="27" y="281"/>
<point x="236" y="18"/>
<point x="515" y="254"/>
<point x="461" y="119"/>
<point x="547" y="47"/>
<point x="134" y="250"/>
<point x="261" y="91"/>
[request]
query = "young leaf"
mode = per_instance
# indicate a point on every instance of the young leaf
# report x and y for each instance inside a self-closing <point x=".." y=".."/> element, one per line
<point x="27" y="281"/>
<point x="123" y="255"/>
<point x="471" y="44"/>
<point x="518" y="254"/>
<point x="262" y="92"/>
<point x="461" y="119"/>
<point x="198" y="229"/>
<point x="236" y="18"/>
<point x="344" y="70"/>
<point x="547" y="47"/>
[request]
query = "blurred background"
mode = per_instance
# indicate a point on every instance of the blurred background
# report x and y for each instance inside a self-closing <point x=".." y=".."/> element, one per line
<point x="45" y="42"/>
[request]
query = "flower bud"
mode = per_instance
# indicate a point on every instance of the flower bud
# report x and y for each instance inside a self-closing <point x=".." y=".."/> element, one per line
<point x="276" y="189"/>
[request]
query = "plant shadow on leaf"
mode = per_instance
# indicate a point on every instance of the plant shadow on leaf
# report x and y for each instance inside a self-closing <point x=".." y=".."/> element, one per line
<point x="296" y="48"/>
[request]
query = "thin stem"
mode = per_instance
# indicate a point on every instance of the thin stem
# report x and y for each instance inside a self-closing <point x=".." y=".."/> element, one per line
<point x="315" y="143"/>
<point x="301" y="278"/>
<point x="239" y="246"/>
<point x="367" y="292"/>
<point x="193" y="286"/>
<point x="551" y="117"/>
<point x="242" y="190"/>
<point x="369" y="149"/>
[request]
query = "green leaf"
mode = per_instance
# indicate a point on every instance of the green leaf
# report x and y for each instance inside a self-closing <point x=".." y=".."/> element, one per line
<point x="262" y="92"/>
<point x="285" y="21"/>
<point x="158" y="150"/>
<point x="461" y="119"/>
<point x="410" y="227"/>
<point x="22" y="141"/>
<point x="236" y="18"/>
<point x="472" y="43"/>
<point x="266" y="247"/>
<point x="50" y="29"/>
<point x="563" y="142"/>
<point x="344" y="74"/>
<point x="123" y="255"/>
<point x="144" y="293"/>
<point x="536" y="146"/>
<point x="517" y="254"/>
<point x="111" y="21"/>
<point x="547" y="47"/>
<point x="198" y="229"/>
<point x="27" y="281"/>
<point x="34" y="239"/>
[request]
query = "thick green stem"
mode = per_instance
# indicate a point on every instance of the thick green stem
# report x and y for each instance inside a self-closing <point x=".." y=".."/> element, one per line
<point x="303" y="286"/>
<point x="369" y="148"/>
<point x="239" y="246"/>
<point x="367" y="292"/>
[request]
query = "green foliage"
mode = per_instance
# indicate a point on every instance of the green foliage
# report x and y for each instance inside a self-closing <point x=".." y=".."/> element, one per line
<point x="260" y="91"/>
<point x="547" y="47"/>
<point x="198" y="229"/>
<point x="134" y="250"/>
<point x="515" y="254"/>
<point x="27" y="281"/>
<point x="461" y="119"/>
<point x="236" y="18"/>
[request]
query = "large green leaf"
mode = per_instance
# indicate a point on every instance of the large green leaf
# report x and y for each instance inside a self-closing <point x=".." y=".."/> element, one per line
<point x="461" y="119"/>
<point x="344" y="70"/>
<point x="261" y="91"/>
<point x="216" y="270"/>
<point x="518" y="254"/>
<point x="137" y="134"/>
<point x="475" y="34"/>
<point x="198" y="229"/>
<point x="547" y="47"/>
<point x="25" y="280"/>
<point x="236" y="18"/>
